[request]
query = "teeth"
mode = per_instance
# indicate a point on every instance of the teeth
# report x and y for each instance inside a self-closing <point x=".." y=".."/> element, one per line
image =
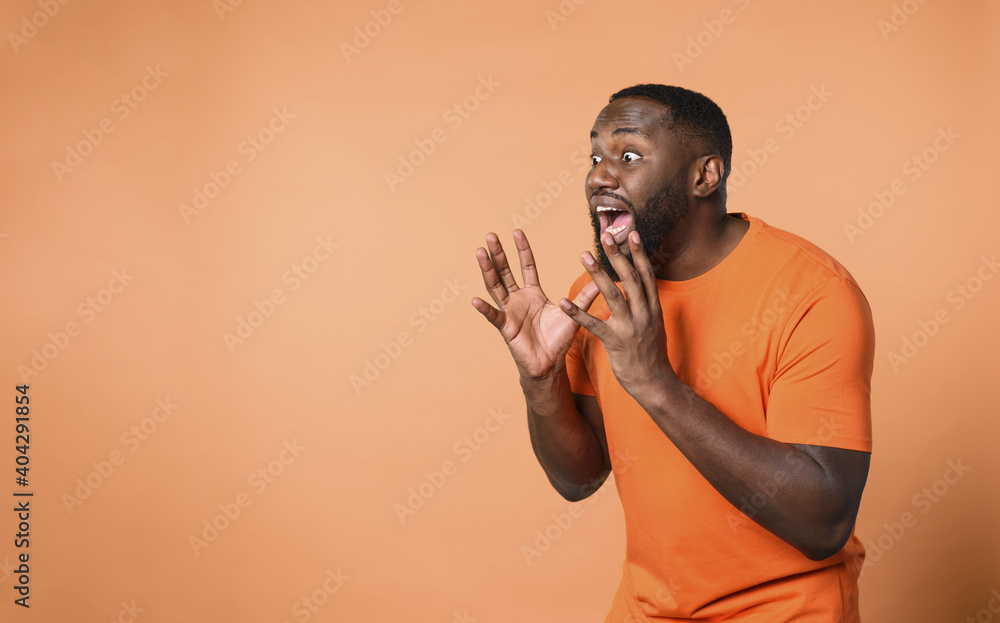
<point x="612" y="230"/>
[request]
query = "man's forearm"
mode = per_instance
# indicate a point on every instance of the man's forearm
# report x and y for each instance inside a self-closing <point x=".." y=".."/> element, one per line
<point x="802" y="503"/>
<point x="565" y="444"/>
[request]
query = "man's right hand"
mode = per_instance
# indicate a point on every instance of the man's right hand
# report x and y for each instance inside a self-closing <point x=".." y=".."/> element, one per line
<point x="538" y="333"/>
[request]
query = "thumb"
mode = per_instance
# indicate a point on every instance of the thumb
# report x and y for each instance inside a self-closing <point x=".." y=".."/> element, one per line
<point x="586" y="296"/>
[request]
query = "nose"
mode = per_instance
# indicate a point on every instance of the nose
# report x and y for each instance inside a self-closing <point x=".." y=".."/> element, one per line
<point x="602" y="177"/>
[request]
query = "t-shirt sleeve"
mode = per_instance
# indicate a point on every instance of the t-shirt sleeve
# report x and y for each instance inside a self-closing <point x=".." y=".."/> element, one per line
<point x="576" y="365"/>
<point x="821" y="391"/>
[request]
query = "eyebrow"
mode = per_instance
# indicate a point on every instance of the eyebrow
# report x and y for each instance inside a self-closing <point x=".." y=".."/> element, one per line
<point x="624" y="130"/>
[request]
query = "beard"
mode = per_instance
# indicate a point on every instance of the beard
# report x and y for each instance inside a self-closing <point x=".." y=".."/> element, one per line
<point x="654" y="221"/>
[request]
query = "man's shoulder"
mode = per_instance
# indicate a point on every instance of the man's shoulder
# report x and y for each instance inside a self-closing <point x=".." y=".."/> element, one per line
<point x="786" y="252"/>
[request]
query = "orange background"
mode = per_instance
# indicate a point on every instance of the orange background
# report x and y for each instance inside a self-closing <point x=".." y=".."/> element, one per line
<point x="332" y="505"/>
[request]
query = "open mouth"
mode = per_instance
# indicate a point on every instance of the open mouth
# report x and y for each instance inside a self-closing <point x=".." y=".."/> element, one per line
<point x="614" y="222"/>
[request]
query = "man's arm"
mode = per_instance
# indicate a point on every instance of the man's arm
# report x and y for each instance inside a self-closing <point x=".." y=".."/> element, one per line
<point x="569" y="445"/>
<point x="568" y="440"/>
<point x="814" y="505"/>
<point x="814" y="502"/>
<point x="813" y="508"/>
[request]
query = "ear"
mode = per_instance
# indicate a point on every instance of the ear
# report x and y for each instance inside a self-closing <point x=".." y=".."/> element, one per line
<point x="708" y="175"/>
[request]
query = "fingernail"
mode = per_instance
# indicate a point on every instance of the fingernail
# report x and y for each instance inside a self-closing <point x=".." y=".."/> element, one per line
<point x="588" y="259"/>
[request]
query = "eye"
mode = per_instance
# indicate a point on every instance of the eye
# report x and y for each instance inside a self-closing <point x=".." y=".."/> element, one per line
<point x="630" y="156"/>
<point x="594" y="160"/>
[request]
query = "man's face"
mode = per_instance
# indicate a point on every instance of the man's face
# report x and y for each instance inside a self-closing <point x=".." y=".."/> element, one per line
<point x="638" y="180"/>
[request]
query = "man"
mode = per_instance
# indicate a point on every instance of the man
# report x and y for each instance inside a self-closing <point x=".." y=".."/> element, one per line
<point x="725" y="381"/>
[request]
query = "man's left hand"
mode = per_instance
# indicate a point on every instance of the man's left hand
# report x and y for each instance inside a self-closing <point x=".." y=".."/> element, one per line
<point x="633" y="336"/>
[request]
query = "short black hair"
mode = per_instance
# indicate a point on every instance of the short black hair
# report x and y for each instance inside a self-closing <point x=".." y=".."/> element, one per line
<point x="692" y="115"/>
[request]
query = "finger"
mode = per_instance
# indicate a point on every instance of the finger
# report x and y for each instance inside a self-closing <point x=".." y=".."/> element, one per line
<point x="586" y="296"/>
<point x="529" y="273"/>
<point x="495" y="316"/>
<point x="634" y="291"/>
<point x="645" y="269"/>
<point x="613" y="296"/>
<point x="595" y="325"/>
<point x="500" y="261"/>
<point x="490" y="277"/>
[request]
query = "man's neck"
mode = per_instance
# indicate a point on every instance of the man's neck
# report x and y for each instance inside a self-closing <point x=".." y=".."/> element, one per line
<point x="701" y="243"/>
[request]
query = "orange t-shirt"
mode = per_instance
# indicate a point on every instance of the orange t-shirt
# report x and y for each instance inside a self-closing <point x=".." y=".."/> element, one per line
<point x="779" y="337"/>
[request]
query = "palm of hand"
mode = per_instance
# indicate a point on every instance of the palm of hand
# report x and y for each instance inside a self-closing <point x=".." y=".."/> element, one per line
<point x="537" y="332"/>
